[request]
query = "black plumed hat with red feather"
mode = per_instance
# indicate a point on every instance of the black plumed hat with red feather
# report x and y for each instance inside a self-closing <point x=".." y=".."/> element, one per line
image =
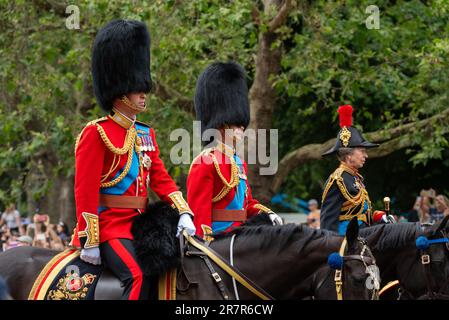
<point x="348" y="136"/>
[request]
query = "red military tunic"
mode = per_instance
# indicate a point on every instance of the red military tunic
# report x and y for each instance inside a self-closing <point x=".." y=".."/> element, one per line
<point x="119" y="157"/>
<point x="217" y="180"/>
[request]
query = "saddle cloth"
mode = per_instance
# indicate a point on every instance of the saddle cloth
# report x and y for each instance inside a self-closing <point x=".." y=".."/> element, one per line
<point x="67" y="277"/>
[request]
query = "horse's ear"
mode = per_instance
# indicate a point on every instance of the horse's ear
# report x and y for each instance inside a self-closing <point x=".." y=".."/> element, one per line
<point x="443" y="225"/>
<point x="352" y="231"/>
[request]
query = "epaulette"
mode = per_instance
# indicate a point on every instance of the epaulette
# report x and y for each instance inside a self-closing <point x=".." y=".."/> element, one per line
<point x="88" y="124"/>
<point x="336" y="175"/>
<point x="143" y="124"/>
<point x="205" y="152"/>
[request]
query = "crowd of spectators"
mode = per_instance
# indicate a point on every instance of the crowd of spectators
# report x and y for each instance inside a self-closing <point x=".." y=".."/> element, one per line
<point x="38" y="231"/>
<point x="430" y="207"/>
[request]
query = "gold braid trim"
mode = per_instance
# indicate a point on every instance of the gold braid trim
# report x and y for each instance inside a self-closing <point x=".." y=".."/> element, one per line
<point x="88" y="124"/>
<point x="233" y="181"/>
<point x="262" y="208"/>
<point x="92" y="231"/>
<point x="129" y="140"/>
<point x="223" y="192"/>
<point x="128" y="147"/>
<point x="338" y="178"/>
<point x="207" y="233"/>
<point x="344" y="191"/>
<point x="179" y="202"/>
<point x="352" y="202"/>
<point x="334" y="176"/>
<point x="123" y="174"/>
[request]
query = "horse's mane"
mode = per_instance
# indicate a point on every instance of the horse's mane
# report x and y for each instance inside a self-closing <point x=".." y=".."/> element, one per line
<point x="260" y="230"/>
<point x="397" y="235"/>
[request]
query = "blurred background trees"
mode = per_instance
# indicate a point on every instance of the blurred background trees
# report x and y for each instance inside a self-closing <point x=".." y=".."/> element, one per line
<point x="303" y="59"/>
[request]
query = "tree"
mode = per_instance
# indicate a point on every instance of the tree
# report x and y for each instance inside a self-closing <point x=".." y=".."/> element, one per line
<point x="303" y="59"/>
<point x="345" y="62"/>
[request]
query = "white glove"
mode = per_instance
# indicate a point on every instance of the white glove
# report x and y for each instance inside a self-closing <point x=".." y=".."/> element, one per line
<point x="185" y="222"/>
<point x="387" y="218"/>
<point x="91" y="255"/>
<point x="275" y="219"/>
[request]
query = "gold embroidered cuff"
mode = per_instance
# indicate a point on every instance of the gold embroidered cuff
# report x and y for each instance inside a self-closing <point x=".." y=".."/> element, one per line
<point x="262" y="208"/>
<point x="207" y="233"/>
<point x="179" y="202"/>
<point x="92" y="231"/>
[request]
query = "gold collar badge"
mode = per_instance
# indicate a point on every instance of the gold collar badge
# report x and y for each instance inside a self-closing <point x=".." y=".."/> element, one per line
<point x="121" y="119"/>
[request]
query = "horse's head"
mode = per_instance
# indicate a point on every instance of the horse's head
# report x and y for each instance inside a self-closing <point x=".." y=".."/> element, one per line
<point x="353" y="271"/>
<point x="430" y="279"/>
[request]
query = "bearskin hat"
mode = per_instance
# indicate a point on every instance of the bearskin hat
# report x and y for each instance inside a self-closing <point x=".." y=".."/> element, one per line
<point x="120" y="61"/>
<point x="348" y="136"/>
<point x="221" y="96"/>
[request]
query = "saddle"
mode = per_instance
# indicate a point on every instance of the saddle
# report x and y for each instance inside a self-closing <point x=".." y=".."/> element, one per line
<point x="67" y="277"/>
<point x="161" y="256"/>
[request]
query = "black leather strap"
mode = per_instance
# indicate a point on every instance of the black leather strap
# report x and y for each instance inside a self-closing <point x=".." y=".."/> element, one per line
<point x="218" y="281"/>
<point x="234" y="269"/>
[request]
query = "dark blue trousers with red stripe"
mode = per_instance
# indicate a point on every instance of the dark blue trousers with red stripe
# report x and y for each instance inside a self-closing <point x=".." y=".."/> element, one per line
<point x="119" y="256"/>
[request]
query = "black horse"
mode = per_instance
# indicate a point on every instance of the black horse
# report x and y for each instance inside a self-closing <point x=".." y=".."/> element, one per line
<point x="288" y="262"/>
<point x="397" y="255"/>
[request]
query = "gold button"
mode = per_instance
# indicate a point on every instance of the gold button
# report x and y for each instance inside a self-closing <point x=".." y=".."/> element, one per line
<point x="139" y="178"/>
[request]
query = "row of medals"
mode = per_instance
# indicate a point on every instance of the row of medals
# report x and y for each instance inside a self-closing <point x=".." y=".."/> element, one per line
<point x="146" y="144"/>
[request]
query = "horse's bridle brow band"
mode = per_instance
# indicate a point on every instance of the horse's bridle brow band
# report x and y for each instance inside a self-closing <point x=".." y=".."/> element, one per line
<point x="338" y="272"/>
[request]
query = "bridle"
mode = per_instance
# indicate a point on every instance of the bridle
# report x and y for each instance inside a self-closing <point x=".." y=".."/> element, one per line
<point x="423" y="244"/>
<point x="337" y="262"/>
<point x="205" y="252"/>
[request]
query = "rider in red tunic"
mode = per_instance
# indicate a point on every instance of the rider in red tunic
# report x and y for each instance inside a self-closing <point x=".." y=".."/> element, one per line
<point x="217" y="186"/>
<point x="117" y="158"/>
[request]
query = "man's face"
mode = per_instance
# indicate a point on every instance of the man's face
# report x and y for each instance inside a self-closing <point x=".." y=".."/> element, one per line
<point x="234" y="134"/>
<point x="357" y="158"/>
<point x="313" y="207"/>
<point x="138" y="98"/>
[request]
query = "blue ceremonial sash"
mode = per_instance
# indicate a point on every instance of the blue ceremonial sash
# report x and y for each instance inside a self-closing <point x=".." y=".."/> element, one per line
<point x="235" y="204"/>
<point x="121" y="187"/>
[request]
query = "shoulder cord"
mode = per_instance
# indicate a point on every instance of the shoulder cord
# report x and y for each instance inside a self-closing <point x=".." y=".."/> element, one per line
<point x="81" y="133"/>
<point x="233" y="181"/>
<point x="128" y="147"/>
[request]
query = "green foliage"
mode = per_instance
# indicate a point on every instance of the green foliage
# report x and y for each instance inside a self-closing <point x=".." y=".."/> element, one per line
<point x="394" y="74"/>
<point x="390" y="75"/>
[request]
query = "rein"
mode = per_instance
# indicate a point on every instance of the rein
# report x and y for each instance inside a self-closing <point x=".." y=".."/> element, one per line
<point x="206" y="253"/>
<point x="422" y="243"/>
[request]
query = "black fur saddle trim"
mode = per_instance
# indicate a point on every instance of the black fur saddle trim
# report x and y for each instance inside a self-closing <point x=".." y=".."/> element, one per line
<point x="155" y="241"/>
